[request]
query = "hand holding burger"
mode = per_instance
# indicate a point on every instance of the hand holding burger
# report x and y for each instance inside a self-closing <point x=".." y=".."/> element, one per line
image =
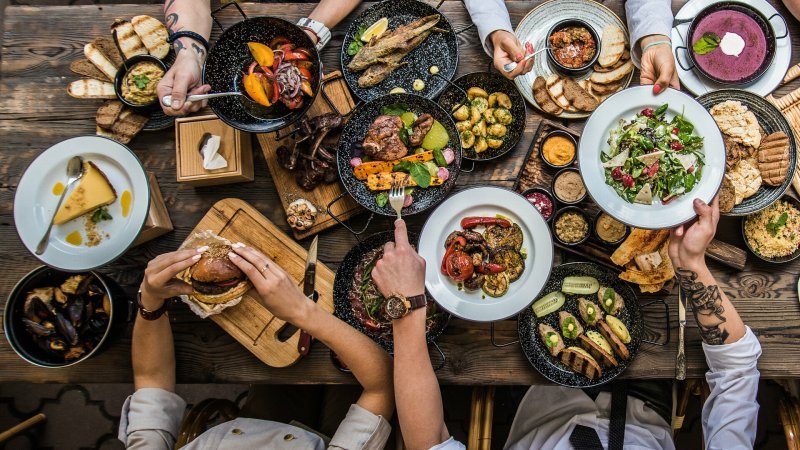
<point x="214" y="277"/>
<point x="159" y="281"/>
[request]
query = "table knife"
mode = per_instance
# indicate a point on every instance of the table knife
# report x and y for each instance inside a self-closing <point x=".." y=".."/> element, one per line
<point x="680" y="363"/>
<point x="309" y="279"/>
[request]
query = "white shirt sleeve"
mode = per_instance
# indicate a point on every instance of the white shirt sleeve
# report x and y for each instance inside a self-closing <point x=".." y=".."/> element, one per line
<point x="151" y="419"/>
<point x="450" y="444"/>
<point x="646" y="17"/>
<point x="731" y="411"/>
<point x="489" y="16"/>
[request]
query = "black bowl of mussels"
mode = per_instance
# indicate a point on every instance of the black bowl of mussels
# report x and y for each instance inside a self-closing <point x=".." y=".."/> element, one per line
<point x="58" y="319"/>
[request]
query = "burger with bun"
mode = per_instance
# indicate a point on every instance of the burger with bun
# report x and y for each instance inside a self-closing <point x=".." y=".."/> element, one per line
<point x="214" y="278"/>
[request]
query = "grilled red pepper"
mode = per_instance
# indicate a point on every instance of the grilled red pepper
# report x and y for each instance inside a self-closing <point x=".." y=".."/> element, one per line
<point x="472" y="222"/>
<point x="459" y="266"/>
<point x="457" y="241"/>
<point x="489" y="268"/>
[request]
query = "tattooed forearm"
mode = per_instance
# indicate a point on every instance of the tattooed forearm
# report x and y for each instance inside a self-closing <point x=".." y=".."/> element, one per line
<point x="179" y="46"/>
<point x="172" y="22"/>
<point x="200" y="50"/>
<point x="706" y="304"/>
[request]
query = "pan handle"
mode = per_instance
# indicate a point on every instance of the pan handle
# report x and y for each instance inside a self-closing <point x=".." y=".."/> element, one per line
<point x="234" y="3"/>
<point x="677" y="58"/>
<point x="494" y="342"/>
<point x="785" y="25"/>
<point x="658" y="333"/>
<point x="357" y="234"/>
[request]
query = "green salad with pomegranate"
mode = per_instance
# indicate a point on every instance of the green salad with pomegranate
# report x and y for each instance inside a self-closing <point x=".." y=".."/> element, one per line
<point x="651" y="158"/>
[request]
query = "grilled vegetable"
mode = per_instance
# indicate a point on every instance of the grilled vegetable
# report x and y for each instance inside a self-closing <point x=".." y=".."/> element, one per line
<point x="383" y="181"/>
<point x="472" y="222"/>
<point x="619" y="329"/>
<point x="497" y="236"/>
<point x="580" y="285"/>
<point x="496" y="284"/>
<point x="511" y="259"/>
<point x="550" y="303"/>
<point x="362" y="171"/>
<point x="570" y="327"/>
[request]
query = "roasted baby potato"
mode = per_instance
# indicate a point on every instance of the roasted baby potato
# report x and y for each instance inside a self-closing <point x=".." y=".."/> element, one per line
<point x="467" y="139"/>
<point x="480" y="103"/>
<point x="474" y="115"/>
<point x="497" y="129"/>
<point x="476" y="92"/>
<point x="493" y="99"/>
<point x="462" y="113"/>
<point x="494" y="142"/>
<point x="503" y="116"/>
<point x="463" y="125"/>
<point x="488" y="116"/>
<point x="479" y="129"/>
<point x="480" y="144"/>
<point x="503" y="100"/>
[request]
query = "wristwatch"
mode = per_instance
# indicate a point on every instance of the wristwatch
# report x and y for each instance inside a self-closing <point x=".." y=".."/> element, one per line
<point x="319" y="29"/>
<point x="152" y="315"/>
<point x="398" y="306"/>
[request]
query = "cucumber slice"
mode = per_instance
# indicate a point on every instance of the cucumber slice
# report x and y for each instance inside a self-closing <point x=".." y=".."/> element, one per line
<point x="580" y="285"/>
<point x="550" y="303"/>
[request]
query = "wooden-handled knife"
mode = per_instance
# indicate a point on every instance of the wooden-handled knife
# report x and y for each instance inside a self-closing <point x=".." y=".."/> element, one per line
<point x="309" y="279"/>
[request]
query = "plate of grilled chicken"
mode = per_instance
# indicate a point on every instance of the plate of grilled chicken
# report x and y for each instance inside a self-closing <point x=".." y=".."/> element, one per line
<point x="398" y="46"/>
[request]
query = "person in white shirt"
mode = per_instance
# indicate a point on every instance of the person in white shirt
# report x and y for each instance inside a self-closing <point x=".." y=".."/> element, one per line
<point x="649" y="22"/>
<point x="552" y="417"/>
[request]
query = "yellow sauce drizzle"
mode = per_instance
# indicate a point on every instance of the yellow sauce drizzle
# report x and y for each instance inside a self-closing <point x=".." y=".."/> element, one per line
<point x="75" y="238"/>
<point x="125" y="202"/>
<point x="58" y="188"/>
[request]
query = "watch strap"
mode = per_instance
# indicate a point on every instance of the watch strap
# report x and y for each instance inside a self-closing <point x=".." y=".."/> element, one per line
<point x="318" y="28"/>
<point x="418" y="301"/>
<point x="148" y="314"/>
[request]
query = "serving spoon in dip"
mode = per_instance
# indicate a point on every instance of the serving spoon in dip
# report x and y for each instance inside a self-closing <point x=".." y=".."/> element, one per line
<point x="513" y="65"/>
<point x="167" y="99"/>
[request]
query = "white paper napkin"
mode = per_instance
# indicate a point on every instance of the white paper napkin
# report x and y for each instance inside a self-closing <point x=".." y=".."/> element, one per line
<point x="211" y="157"/>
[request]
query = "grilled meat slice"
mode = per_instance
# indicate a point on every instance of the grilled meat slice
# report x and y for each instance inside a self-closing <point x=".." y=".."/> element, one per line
<point x="383" y="139"/>
<point x="420" y="128"/>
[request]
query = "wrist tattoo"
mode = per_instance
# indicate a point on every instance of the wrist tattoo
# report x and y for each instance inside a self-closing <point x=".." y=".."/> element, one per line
<point x="706" y="304"/>
<point x="200" y="50"/>
<point x="178" y="46"/>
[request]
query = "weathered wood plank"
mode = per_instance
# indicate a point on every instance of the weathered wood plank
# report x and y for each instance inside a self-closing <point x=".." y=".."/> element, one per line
<point x="35" y="113"/>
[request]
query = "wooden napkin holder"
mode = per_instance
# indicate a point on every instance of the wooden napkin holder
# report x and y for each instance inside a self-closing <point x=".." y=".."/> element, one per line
<point x="235" y="147"/>
<point x="158" y="221"/>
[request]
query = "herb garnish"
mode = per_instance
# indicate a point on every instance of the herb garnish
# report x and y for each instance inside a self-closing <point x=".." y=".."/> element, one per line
<point x="419" y="173"/>
<point x="141" y="81"/>
<point x="774" y="227"/>
<point x="394" y="109"/>
<point x="357" y="43"/>
<point x="706" y="44"/>
<point x="381" y="199"/>
<point x="100" y="214"/>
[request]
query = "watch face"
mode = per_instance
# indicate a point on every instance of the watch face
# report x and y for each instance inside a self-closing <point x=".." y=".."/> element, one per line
<point x="396" y="307"/>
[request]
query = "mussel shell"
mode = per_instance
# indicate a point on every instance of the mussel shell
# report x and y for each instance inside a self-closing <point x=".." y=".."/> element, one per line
<point x="66" y="329"/>
<point x="37" y="329"/>
<point x="75" y="311"/>
<point x="36" y="309"/>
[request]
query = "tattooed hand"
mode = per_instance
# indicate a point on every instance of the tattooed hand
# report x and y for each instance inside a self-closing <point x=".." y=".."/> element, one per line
<point x="688" y="242"/>
<point x="707" y="306"/>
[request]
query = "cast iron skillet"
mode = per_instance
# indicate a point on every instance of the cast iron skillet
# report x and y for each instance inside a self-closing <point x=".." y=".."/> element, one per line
<point x="489" y="82"/>
<point x="763" y="23"/>
<point x="771" y="120"/>
<point x="353" y="135"/>
<point x="343" y="282"/>
<point x="439" y="49"/>
<point x="229" y="58"/>
<point x="551" y="367"/>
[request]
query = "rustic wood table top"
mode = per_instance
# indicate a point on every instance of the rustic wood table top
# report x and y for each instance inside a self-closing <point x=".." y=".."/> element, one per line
<point x="36" y="112"/>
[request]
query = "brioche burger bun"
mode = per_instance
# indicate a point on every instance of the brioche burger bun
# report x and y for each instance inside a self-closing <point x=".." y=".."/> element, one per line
<point x="214" y="278"/>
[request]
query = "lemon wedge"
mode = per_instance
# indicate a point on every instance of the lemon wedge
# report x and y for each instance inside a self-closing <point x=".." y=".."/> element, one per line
<point x="376" y="29"/>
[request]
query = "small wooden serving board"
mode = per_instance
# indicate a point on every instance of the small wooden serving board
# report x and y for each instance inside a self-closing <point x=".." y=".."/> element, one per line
<point x="288" y="190"/>
<point x="249" y="322"/>
<point x="535" y="173"/>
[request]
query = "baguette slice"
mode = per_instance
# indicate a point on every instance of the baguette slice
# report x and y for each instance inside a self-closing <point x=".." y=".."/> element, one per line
<point x="109" y="49"/>
<point x="100" y="60"/>
<point x="127" y="39"/>
<point x="108" y="113"/>
<point x="616" y="343"/>
<point x="100" y="131"/>
<point x="597" y="352"/>
<point x="578" y="360"/>
<point x="615" y="75"/>
<point x="87" y="69"/>
<point x="613" y="45"/>
<point x="153" y="34"/>
<point x="91" y="88"/>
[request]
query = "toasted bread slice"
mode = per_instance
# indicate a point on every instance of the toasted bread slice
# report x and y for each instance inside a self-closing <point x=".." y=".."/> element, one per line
<point x="86" y="68"/>
<point x="615" y="75"/>
<point x="597" y="352"/>
<point x="127" y="126"/>
<point x="773" y="158"/>
<point x="100" y="60"/>
<point x="109" y="48"/>
<point x="578" y="97"/>
<point x="555" y="88"/>
<point x="606" y="89"/>
<point x="108" y="113"/>
<point x="581" y="362"/>
<point x="126" y="38"/>
<point x="613" y="45"/>
<point x="91" y="88"/>
<point x="543" y="98"/>
<point x="616" y="343"/>
<point x="100" y="131"/>
<point x="153" y="34"/>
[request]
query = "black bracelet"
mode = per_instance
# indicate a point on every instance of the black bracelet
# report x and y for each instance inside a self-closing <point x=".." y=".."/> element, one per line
<point x="190" y="34"/>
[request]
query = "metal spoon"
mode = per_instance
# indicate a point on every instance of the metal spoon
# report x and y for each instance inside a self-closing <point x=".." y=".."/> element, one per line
<point x="74" y="173"/>
<point x="167" y="99"/>
<point x="513" y="65"/>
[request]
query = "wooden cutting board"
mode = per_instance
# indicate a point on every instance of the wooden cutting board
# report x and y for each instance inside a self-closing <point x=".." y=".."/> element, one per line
<point x="249" y="322"/>
<point x="336" y="90"/>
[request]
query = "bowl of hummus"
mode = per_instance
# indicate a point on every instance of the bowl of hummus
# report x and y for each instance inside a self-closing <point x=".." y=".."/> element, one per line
<point x="137" y="79"/>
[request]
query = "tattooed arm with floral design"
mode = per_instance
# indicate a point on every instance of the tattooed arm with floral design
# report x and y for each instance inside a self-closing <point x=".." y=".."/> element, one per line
<point x="731" y="348"/>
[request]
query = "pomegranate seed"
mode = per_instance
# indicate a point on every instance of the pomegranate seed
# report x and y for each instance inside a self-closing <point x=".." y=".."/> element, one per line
<point x="616" y="173"/>
<point x="676" y="131"/>
<point x="676" y="145"/>
<point x="691" y="169"/>
<point x="648" y="112"/>
<point x="627" y="180"/>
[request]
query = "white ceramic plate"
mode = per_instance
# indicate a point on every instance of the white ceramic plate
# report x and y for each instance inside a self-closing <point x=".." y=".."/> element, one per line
<point x="624" y="105"/>
<point x="534" y="26"/>
<point x="764" y="85"/>
<point x="34" y="203"/>
<point x="486" y="201"/>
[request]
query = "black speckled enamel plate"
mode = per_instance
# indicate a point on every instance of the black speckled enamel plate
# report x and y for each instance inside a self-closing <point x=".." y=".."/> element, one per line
<point x="353" y="135"/>
<point x="535" y="350"/>
<point x="343" y="282"/>
<point x="490" y="82"/>
<point x="229" y="59"/>
<point x="772" y="120"/>
<point x="777" y="260"/>
<point x="439" y="49"/>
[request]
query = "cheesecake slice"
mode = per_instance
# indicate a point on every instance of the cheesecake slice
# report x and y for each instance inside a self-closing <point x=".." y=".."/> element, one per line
<point x="93" y="191"/>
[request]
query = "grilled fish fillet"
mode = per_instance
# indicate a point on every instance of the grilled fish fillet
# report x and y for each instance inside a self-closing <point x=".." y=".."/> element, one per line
<point x="385" y="66"/>
<point x="398" y="40"/>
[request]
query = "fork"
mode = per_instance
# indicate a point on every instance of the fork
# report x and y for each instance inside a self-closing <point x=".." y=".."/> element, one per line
<point x="397" y="196"/>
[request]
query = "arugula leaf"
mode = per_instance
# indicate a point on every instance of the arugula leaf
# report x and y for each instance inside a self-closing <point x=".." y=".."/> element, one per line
<point x="774" y="227"/>
<point x="141" y="81"/>
<point x="381" y="199"/>
<point x="101" y="214"/>
<point x="419" y="173"/>
<point x="394" y="109"/>
<point x="357" y="43"/>
<point x="404" y="133"/>
<point x="438" y="155"/>
<point x="706" y="44"/>
<point x="661" y="110"/>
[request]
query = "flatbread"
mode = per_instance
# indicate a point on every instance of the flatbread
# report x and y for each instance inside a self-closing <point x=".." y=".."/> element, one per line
<point x="543" y="98"/>
<point x="613" y="45"/>
<point x="663" y="273"/>
<point x="638" y="242"/>
<point x="738" y="122"/>
<point x="746" y="180"/>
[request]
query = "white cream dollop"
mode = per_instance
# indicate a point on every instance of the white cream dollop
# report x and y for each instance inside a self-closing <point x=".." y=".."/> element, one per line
<point x="732" y="44"/>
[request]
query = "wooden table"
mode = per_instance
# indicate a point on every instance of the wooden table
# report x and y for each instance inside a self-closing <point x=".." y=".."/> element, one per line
<point x="39" y="44"/>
